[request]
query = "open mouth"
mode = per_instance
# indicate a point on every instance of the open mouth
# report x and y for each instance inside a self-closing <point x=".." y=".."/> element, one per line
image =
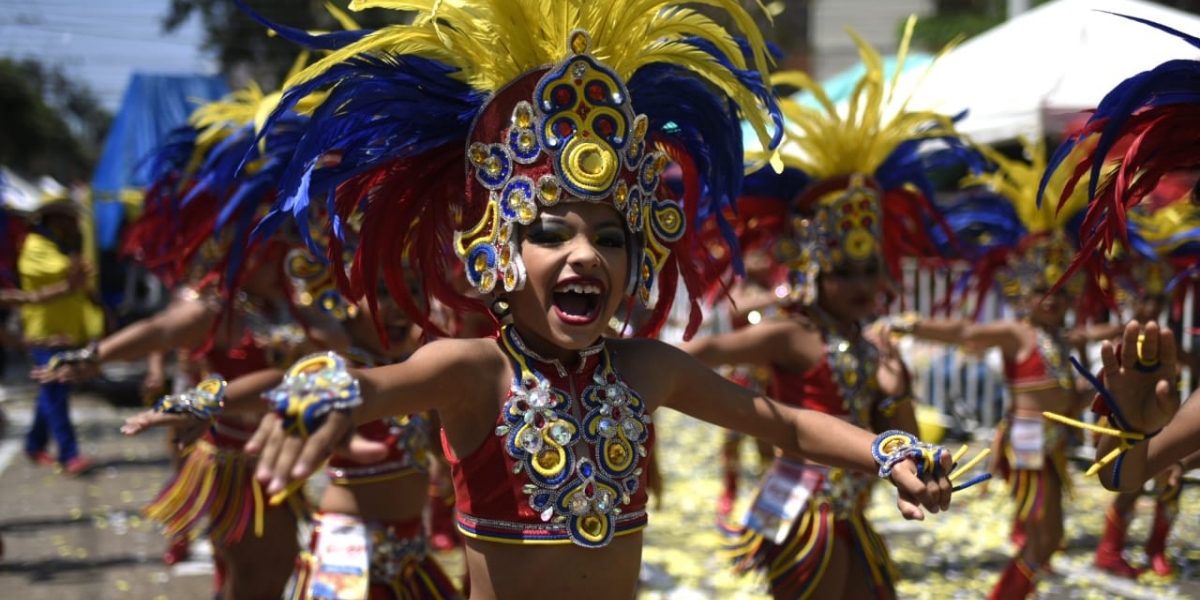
<point x="577" y="301"/>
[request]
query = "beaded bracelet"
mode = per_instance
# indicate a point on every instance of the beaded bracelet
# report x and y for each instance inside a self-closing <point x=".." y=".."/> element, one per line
<point x="894" y="447"/>
<point x="205" y="401"/>
<point x="87" y="354"/>
<point x="890" y="405"/>
<point x="904" y="323"/>
<point x="315" y="386"/>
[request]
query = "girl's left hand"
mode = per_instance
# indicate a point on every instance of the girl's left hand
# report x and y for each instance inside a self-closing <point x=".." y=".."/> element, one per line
<point x="913" y="493"/>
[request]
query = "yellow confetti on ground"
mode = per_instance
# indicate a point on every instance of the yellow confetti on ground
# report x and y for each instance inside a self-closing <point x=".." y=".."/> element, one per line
<point x="949" y="556"/>
<point x="122" y="585"/>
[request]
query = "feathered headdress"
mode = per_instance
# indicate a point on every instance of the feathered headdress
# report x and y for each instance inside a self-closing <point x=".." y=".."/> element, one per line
<point x="1164" y="248"/>
<point x="872" y="195"/>
<point x="1007" y="238"/>
<point x="542" y="102"/>
<point x="211" y="182"/>
<point x="1154" y="115"/>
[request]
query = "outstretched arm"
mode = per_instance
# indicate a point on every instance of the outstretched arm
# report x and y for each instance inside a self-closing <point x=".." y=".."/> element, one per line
<point x="760" y="345"/>
<point x="441" y="375"/>
<point x="698" y="391"/>
<point x="961" y="332"/>
<point x="183" y="324"/>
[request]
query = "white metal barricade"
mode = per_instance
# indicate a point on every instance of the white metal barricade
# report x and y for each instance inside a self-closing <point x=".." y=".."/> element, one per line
<point x="969" y="388"/>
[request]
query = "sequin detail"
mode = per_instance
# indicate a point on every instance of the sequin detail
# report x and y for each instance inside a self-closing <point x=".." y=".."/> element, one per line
<point x="581" y="469"/>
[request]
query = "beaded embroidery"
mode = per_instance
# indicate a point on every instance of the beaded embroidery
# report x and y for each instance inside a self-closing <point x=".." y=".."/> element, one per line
<point x="1053" y="349"/>
<point x="854" y="366"/>
<point x="581" y="470"/>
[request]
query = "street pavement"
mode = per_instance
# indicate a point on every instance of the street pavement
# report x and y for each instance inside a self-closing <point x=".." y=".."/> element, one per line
<point x="84" y="539"/>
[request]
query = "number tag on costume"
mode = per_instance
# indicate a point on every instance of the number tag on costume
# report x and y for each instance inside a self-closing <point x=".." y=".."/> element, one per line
<point x="1028" y="438"/>
<point x="783" y="493"/>
<point x="341" y="569"/>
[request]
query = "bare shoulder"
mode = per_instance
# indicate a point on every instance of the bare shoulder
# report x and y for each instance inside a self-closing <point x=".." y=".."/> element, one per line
<point x="655" y="368"/>
<point x="472" y="354"/>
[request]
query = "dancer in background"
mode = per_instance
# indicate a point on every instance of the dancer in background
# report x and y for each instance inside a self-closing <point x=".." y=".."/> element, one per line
<point x="843" y="236"/>
<point x="234" y="308"/>
<point x="52" y="255"/>
<point x="1026" y="249"/>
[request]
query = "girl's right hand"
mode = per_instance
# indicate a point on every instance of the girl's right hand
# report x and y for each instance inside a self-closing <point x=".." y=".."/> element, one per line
<point x="1140" y="376"/>
<point x="286" y="457"/>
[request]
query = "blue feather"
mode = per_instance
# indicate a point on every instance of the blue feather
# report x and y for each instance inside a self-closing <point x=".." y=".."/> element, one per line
<point x="378" y="109"/>
<point x="326" y="41"/>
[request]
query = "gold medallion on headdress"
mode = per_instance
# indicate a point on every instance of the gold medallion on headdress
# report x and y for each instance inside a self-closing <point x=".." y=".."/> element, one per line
<point x="570" y="135"/>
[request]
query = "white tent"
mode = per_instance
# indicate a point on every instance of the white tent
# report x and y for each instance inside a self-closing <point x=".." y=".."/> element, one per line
<point x="1036" y="72"/>
<point x="18" y="194"/>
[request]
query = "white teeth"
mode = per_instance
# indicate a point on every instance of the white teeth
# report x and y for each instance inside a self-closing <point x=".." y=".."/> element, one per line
<point x="580" y="288"/>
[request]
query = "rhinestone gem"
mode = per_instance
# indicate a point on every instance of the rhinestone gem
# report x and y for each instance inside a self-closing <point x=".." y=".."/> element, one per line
<point x="560" y="433"/>
<point x="630" y="428"/>
<point x="579" y="503"/>
<point x="606" y="428"/>
<point x="531" y="440"/>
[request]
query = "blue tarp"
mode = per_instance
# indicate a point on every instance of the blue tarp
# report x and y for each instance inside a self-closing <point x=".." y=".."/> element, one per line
<point x="153" y="105"/>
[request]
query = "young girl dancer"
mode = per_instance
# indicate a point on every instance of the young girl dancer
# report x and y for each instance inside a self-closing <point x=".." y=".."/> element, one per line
<point x="201" y="214"/>
<point x="1013" y="241"/>
<point x="845" y="234"/>
<point x="547" y="426"/>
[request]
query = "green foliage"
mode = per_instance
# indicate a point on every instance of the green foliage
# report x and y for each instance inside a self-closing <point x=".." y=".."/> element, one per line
<point x="50" y="124"/>
<point x="239" y="42"/>
<point x="958" y="18"/>
<point x="933" y="33"/>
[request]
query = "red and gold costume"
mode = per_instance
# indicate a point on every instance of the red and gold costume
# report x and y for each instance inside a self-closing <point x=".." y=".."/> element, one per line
<point x="857" y="193"/>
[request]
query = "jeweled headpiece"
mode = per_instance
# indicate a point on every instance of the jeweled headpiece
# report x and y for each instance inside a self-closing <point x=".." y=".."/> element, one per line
<point x="1007" y="237"/>
<point x="543" y="102"/>
<point x="872" y="198"/>
<point x="1164" y="248"/>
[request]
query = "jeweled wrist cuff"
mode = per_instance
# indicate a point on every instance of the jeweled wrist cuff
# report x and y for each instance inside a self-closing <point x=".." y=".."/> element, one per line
<point x="894" y="447"/>
<point x="315" y="386"/>
<point x="904" y="323"/>
<point x="205" y="401"/>
<point x="890" y="405"/>
<point x="89" y="353"/>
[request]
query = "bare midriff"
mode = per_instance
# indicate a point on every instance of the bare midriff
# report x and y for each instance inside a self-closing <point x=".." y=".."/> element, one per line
<point x="518" y="572"/>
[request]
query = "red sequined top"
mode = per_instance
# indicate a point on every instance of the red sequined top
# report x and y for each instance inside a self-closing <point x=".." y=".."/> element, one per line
<point x="567" y="461"/>
<point x="1043" y="369"/>
<point x="233" y="431"/>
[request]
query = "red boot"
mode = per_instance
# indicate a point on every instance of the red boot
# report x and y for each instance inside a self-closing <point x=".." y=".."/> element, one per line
<point x="728" y="494"/>
<point x="1156" y="544"/>
<point x="1108" y="552"/>
<point x="1016" y="582"/>
<point x="178" y="551"/>
<point x="1018" y="534"/>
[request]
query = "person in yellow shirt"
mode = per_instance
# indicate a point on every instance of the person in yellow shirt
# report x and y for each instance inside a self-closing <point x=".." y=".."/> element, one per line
<point x="50" y="255"/>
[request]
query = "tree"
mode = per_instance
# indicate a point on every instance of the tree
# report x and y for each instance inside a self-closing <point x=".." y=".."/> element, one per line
<point x="50" y="125"/>
<point x="242" y="46"/>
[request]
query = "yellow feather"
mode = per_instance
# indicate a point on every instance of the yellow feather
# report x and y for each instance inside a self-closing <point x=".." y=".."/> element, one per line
<point x="346" y="21"/>
<point x="493" y="42"/>
<point x="827" y="141"/>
